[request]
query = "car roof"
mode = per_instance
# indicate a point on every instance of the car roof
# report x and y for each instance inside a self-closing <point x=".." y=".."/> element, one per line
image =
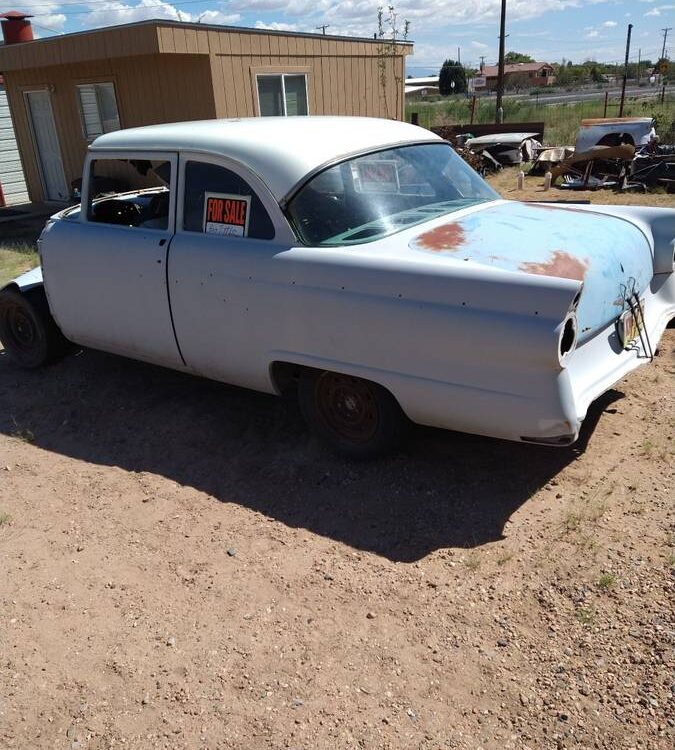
<point x="282" y="151"/>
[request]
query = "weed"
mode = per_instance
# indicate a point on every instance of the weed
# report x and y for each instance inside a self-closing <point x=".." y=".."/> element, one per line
<point x="607" y="581"/>
<point x="5" y="519"/>
<point x="22" y="433"/>
<point x="648" y="447"/>
<point x="596" y="511"/>
<point x="585" y="615"/>
<point x="572" y="521"/>
<point x="503" y="559"/>
<point x="472" y="562"/>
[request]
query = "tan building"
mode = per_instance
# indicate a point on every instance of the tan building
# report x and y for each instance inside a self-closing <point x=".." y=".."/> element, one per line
<point x="64" y="91"/>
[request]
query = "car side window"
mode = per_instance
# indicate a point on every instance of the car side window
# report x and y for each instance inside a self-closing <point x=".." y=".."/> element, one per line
<point x="218" y="201"/>
<point x="130" y="192"/>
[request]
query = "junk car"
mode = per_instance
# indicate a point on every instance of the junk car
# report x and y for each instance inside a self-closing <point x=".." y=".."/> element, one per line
<point x="357" y="263"/>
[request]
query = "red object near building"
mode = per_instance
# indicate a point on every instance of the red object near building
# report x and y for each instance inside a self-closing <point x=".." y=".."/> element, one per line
<point x="16" y="27"/>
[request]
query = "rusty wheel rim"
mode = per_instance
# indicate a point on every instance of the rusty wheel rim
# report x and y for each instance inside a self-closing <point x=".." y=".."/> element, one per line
<point x="21" y="328"/>
<point x="348" y="406"/>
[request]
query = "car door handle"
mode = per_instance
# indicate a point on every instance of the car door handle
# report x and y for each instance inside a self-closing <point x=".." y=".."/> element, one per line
<point x="162" y="242"/>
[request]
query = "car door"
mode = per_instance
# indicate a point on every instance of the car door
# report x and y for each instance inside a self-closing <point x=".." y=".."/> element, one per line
<point x="105" y="275"/>
<point x="224" y="268"/>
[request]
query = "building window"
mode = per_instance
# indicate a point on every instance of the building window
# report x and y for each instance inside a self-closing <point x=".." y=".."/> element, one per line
<point x="98" y="108"/>
<point x="282" y="95"/>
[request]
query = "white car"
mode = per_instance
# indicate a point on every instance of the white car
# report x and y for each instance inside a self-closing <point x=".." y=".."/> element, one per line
<point x="358" y="262"/>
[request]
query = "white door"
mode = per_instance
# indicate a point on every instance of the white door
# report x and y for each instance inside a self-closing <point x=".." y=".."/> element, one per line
<point x="47" y="146"/>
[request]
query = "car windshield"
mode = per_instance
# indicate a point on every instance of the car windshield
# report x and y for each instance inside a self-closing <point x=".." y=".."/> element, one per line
<point x="375" y="195"/>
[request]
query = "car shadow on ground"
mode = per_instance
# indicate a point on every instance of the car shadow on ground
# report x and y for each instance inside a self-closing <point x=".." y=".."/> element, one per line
<point x="444" y="490"/>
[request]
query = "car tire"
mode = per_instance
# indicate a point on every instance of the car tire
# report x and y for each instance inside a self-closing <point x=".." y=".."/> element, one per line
<point x="355" y="417"/>
<point x="27" y="330"/>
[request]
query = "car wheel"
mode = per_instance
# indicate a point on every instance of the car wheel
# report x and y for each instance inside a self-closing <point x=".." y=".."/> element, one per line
<point x="355" y="417"/>
<point x="27" y="330"/>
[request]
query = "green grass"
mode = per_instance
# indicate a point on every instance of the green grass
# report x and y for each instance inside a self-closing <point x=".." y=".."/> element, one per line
<point x="585" y="615"/>
<point x="5" y="519"/>
<point x="606" y="581"/>
<point x="15" y="258"/>
<point x="562" y="120"/>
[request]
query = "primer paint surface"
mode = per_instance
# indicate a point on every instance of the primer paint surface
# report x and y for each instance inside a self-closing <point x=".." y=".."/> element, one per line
<point x="609" y="255"/>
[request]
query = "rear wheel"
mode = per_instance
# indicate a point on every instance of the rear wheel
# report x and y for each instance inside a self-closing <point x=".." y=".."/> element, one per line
<point x="27" y="330"/>
<point x="356" y="417"/>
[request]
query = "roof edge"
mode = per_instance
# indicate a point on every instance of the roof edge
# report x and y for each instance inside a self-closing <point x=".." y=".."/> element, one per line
<point x="159" y="22"/>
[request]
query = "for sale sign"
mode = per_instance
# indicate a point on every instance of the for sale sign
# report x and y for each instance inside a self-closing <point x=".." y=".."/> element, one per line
<point x="226" y="214"/>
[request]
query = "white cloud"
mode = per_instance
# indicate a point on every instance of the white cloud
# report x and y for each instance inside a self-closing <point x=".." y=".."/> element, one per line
<point x="47" y="14"/>
<point x="360" y="16"/>
<point x="609" y="24"/>
<point x="480" y="45"/>
<point x="217" y="17"/>
<point x="276" y="26"/>
<point x="592" y="34"/>
<point x="653" y="12"/>
<point x="115" y="12"/>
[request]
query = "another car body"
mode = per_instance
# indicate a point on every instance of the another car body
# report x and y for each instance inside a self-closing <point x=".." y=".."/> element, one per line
<point x="366" y="248"/>
<point x="612" y="131"/>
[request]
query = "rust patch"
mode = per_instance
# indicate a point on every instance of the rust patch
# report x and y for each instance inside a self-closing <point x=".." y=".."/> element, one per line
<point x="449" y="237"/>
<point x="560" y="264"/>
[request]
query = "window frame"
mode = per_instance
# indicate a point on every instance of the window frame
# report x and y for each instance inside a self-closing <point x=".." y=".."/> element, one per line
<point x="282" y="75"/>
<point x="99" y="155"/>
<point x="283" y="233"/>
<point x="81" y="84"/>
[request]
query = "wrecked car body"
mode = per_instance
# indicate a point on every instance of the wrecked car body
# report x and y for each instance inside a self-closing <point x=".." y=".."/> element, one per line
<point x="613" y="131"/>
<point x="507" y="148"/>
<point x="358" y="264"/>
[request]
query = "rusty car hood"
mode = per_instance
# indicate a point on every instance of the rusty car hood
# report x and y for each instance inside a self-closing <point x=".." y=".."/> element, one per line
<point x="610" y="255"/>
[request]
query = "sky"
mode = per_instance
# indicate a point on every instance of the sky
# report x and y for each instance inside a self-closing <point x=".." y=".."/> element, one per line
<point x="548" y="30"/>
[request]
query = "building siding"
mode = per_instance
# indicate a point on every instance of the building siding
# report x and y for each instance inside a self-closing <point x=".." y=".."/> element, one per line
<point x="171" y="72"/>
<point x="149" y="90"/>
<point x="12" y="180"/>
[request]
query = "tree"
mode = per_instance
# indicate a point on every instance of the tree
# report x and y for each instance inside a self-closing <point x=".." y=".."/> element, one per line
<point x="451" y="71"/>
<point x="517" y="57"/>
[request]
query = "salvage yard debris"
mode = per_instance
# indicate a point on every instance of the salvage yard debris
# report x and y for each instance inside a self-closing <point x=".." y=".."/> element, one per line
<point x="618" y="153"/>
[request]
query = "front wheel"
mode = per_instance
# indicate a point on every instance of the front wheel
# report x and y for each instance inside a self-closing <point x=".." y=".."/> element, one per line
<point x="27" y="330"/>
<point x="355" y="417"/>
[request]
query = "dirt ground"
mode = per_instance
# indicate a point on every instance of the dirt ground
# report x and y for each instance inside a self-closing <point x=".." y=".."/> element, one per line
<point x="506" y="183"/>
<point x="184" y="567"/>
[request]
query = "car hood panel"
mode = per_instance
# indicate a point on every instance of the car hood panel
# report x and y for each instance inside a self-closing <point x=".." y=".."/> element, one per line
<point x="611" y="256"/>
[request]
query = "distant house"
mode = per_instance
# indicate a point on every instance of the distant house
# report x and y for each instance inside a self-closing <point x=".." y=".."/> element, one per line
<point x="524" y="75"/>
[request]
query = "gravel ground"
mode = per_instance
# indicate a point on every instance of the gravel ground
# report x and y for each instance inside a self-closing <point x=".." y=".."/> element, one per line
<point x="183" y="567"/>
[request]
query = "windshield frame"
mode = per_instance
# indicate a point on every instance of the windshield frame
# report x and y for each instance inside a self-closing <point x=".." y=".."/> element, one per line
<point x="292" y="194"/>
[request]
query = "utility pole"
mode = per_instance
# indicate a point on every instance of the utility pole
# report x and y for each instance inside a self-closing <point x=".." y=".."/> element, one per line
<point x="482" y="62"/>
<point x="639" y="60"/>
<point x="323" y="28"/>
<point x="665" y="36"/>
<point x="625" y="71"/>
<point x="499" y="111"/>
<point x="459" y="56"/>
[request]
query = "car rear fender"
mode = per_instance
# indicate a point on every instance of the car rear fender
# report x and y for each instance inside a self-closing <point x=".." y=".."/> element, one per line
<point x="27" y="281"/>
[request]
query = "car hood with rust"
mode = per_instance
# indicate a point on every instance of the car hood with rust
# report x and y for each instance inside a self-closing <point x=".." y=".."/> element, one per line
<point x="610" y="255"/>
